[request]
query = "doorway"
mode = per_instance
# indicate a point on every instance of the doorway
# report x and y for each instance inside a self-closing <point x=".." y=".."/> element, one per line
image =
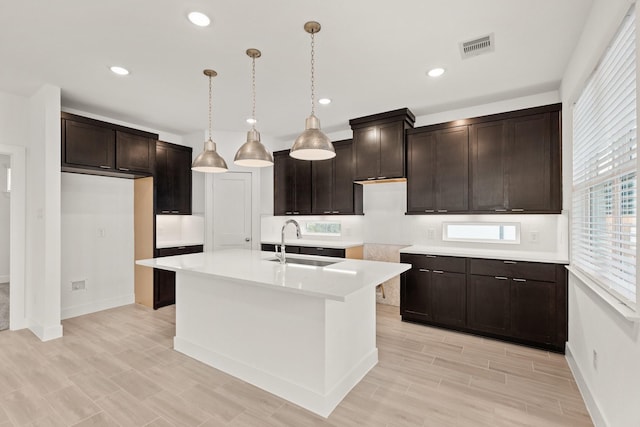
<point x="232" y="210"/>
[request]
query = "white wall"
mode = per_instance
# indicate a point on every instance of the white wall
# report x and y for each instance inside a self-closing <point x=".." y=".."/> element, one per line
<point x="5" y="200"/>
<point x="612" y="389"/>
<point x="97" y="243"/>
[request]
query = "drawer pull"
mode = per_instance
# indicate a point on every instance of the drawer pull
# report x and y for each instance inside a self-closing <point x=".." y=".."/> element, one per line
<point x="431" y="256"/>
<point x="501" y="278"/>
<point x="510" y="262"/>
<point x="327" y="212"/>
<point x="424" y="270"/>
<point x="124" y="169"/>
<point x="336" y="212"/>
<point x="105" y="167"/>
<point x="500" y="210"/>
<point x="175" y="212"/>
<point x="319" y="249"/>
<point x="182" y="247"/>
<point x="438" y="271"/>
<point x="165" y="211"/>
<point x="288" y="213"/>
<point x="517" y="210"/>
<point x="429" y="210"/>
<point x="296" y="213"/>
<point x="382" y="177"/>
<point x="519" y="280"/>
<point x="372" y="178"/>
<point x="443" y="210"/>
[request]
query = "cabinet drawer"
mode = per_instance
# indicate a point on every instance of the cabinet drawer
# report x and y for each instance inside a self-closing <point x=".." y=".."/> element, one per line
<point x="513" y="269"/>
<point x="436" y="262"/>
<point x="339" y="253"/>
<point x="180" y="250"/>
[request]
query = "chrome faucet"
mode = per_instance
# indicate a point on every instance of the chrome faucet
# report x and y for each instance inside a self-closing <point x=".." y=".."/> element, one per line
<point x="282" y="256"/>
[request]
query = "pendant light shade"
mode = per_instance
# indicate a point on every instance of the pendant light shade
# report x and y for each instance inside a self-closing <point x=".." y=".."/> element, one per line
<point x="209" y="161"/>
<point x="312" y="144"/>
<point x="252" y="153"/>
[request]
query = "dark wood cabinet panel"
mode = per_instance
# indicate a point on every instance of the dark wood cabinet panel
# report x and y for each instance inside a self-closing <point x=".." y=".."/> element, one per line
<point x="164" y="282"/>
<point x="292" y="185"/>
<point x="99" y="148"/>
<point x="134" y="153"/>
<point x="332" y="252"/>
<point x="489" y="304"/>
<point x="378" y="142"/>
<point x="533" y="310"/>
<point x="88" y="145"/>
<point x="438" y="171"/>
<point x="524" y="302"/>
<point x="347" y="196"/>
<point x="322" y="177"/>
<point x="173" y="179"/>
<point x="487" y="160"/>
<point x="448" y="296"/>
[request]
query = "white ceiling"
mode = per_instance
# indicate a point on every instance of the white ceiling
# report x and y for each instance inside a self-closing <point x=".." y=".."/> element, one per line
<point x="371" y="56"/>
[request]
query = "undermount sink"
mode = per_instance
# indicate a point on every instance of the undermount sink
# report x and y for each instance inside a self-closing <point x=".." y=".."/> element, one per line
<point x="304" y="261"/>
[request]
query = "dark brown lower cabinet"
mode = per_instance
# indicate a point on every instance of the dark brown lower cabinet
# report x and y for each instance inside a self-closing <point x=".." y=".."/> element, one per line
<point x="164" y="282"/>
<point x="524" y="302"/>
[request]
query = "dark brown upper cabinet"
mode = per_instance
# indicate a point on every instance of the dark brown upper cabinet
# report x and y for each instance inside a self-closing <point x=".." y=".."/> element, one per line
<point x="98" y="148"/>
<point x="291" y="185"/>
<point x="173" y="179"/>
<point x="437" y="170"/>
<point x="332" y="187"/>
<point x="513" y="164"/>
<point x="516" y="163"/>
<point x="378" y="142"/>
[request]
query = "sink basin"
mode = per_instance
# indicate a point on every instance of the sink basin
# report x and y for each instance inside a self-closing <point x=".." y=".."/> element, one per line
<point x="303" y="261"/>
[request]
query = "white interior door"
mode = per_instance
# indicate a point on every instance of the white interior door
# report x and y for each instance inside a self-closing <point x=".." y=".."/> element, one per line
<point x="232" y="210"/>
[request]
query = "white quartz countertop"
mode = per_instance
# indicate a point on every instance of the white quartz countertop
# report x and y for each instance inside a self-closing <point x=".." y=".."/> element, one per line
<point x="336" y="281"/>
<point x="334" y="244"/>
<point x="177" y="243"/>
<point x="487" y="253"/>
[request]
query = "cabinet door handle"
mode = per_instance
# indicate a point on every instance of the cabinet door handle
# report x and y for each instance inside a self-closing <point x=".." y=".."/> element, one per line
<point x="296" y="213"/>
<point x="288" y="213"/>
<point x="442" y="210"/>
<point x="105" y="167"/>
<point x="429" y="210"/>
<point x="319" y="249"/>
<point x="500" y="210"/>
<point x="510" y="262"/>
<point x="175" y="212"/>
<point x="424" y="270"/>
<point x="165" y="211"/>
<point x="519" y="280"/>
<point x="438" y="271"/>
<point x="335" y="212"/>
<point x="123" y="169"/>
<point x="501" y="278"/>
<point x="517" y="210"/>
<point x="327" y="212"/>
<point x="182" y="247"/>
<point x="382" y="177"/>
<point x="431" y="256"/>
<point x="371" y="178"/>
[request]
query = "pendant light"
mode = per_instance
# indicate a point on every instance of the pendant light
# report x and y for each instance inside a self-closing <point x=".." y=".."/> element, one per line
<point x="312" y="144"/>
<point x="209" y="160"/>
<point x="252" y="153"/>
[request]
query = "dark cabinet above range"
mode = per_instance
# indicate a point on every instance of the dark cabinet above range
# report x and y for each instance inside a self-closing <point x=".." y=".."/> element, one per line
<point x="378" y="142"/>
<point x="99" y="148"/>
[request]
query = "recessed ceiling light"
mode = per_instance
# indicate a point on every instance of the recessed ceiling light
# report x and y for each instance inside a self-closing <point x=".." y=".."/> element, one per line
<point x="324" y="101"/>
<point x="252" y="121"/>
<point x="119" y="70"/>
<point x="436" y="72"/>
<point x="199" y="19"/>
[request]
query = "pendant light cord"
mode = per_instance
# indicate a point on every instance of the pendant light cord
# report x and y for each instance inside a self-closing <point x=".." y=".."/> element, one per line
<point x="313" y="77"/>
<point x="253" y="91"/>
<point x="210" y="139"/>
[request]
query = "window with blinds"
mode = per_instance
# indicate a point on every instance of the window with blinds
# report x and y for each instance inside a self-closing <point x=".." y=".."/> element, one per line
<point x="603" y="224"/>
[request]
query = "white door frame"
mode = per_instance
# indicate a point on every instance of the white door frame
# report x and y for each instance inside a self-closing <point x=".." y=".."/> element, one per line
<point x="17" y="236"/>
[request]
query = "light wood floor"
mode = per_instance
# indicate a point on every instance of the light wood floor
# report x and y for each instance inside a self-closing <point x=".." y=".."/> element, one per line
<point x="116" y="367"/>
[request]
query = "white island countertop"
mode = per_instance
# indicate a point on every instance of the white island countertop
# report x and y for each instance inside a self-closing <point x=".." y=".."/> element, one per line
<point x="335" y="282"/>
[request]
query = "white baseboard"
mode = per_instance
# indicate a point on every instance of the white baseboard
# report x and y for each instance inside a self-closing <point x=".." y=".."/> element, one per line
<point x="314" y="401"/>
<point x="46" y="333"/>
<point x="94" y="306"/>
<point x="594" y="410"/>
<point x="5" y="279"/>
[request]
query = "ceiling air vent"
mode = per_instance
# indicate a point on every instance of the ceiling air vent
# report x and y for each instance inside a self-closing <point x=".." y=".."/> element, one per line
<point x="477" y="46"/>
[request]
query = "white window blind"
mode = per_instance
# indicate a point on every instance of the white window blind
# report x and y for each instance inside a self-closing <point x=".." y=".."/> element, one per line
<point x="603" y="224"/>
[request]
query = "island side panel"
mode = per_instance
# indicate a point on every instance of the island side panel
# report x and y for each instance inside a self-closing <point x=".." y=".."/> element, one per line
<point x="310" y="351"/>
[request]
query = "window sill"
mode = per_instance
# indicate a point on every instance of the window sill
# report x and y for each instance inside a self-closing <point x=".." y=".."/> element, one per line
<point x="619" y="307"/>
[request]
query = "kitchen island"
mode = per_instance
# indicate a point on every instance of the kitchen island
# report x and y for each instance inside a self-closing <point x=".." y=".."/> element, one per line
<point x="304" y="332"/>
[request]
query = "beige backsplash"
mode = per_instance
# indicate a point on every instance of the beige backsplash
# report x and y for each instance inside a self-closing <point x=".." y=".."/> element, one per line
<point x="390" y="253"/>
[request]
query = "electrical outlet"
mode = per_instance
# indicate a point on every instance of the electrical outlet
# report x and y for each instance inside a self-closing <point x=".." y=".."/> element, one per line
<point x="534" y="236"/>
<point x="431" y="233"/>
<point x="595" y="359"/>
<point x="78" y="285"/>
